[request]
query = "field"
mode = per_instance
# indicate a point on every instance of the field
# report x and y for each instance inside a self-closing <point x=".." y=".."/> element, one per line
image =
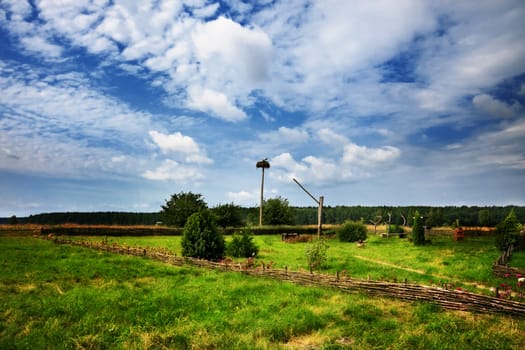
<point x="466" y="264"/>
<point x="56" y="296"/>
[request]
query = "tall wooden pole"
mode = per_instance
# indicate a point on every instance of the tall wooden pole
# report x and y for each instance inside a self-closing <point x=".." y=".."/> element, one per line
<point x="262" y="198"/>
<point x="264" y="164"/>
<point x="320" y="216"/>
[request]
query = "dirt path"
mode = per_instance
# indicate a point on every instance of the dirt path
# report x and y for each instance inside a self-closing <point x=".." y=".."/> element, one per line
<point x="421" y="272"/>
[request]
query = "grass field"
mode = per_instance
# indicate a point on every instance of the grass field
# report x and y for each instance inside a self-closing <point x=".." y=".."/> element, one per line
<point x="466" y="264"/>
<point x="62" y="297"/>
<point x="69" y="297"/>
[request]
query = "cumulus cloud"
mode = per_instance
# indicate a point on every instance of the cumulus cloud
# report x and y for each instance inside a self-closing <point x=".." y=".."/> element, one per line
<point x="489" y="105"/>
<point x="216" y="103"/>
<point x="224" y="43"/>
<point x="41" y="46"/>
<point x="178" y="144"/>
<point x="368" y="157"/>
<point x="285" y="135"/>
<point x="353" y="161"/>
<point x="173" y="170"/>
<point x="243" y="197"/>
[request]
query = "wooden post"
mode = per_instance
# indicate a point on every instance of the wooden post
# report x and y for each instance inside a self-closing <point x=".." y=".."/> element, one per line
<point x="263" y="164"/>
<point x="320" y="217"/>
<point x="262" y="198"/>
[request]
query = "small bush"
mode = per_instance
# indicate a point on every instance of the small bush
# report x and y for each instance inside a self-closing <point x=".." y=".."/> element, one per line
<point x="352" y="231"/>
<point x="242" y="245"/>
<point x="395" y="229"/>
<point x="201" y="238"/>
<point x="316" y="253"/>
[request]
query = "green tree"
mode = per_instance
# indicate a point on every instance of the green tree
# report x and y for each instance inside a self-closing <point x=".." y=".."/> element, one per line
<point x="418" y="231"/>
<point x="228" y="215"/>
<point x="242" y="245"/>
<point x="316" y="253"/>
<point x="352" y="231"/>
<point x="13" y="220"/>
<point x="180" y="207"/>
<point x="277" y="211"/>
<point x="508" y="231"/>
<point x="484" y="217"/>
<point x="201" y="238"/>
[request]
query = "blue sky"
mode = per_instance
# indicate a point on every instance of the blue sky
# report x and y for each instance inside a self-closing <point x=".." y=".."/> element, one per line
<point x="116" y="105"/>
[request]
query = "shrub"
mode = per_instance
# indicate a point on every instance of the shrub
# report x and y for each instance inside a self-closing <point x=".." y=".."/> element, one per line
<point x="201" y="238"/>
<point x="418" y="231"/>
<point x="352" y="231"/>
<point x="242" y="245"/>
<point x="395" y="229"/>
<point x="508" y="231"/>
<point x="316" y="253"/>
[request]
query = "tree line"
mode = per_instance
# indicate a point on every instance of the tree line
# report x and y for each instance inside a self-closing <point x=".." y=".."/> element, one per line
<point x="277" y="211"/>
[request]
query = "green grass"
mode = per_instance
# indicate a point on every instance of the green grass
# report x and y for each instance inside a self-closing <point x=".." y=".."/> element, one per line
<point x="64" y="297"/>
<point x="518" y="259"/>
<point x="466" y="264"/>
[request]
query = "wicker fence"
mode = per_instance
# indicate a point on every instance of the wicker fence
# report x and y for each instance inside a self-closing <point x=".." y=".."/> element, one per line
<point x="449" y="299"/>
<point x="501" y="266"/>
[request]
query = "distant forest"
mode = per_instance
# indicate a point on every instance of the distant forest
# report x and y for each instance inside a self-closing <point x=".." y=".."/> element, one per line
<point x="432" y="216"/>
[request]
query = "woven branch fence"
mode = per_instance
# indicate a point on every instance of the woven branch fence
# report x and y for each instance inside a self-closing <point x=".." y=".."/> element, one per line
<point x="449" y="299"/>
<point x="501" y="266"/>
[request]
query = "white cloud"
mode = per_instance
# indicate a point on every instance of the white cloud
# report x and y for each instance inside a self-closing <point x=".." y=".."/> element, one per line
<point x="41" y="46"/>
<point x="488" y="104"/>
<point x="225" y="45"/>
<point x="285" y="135"/>
<point x="178" y="144"/>
<point x="243" y="197"/>
<point x="353" y="162"/>
<point x="214" y="102"/>
<point x="368" y="157"/>
<point x="206" y="11"/>
<point x="172" y="170"/>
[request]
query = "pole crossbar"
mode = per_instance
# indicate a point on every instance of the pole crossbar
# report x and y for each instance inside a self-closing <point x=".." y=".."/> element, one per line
<point x="319" y="209"/>
<point x="304" y="189"/>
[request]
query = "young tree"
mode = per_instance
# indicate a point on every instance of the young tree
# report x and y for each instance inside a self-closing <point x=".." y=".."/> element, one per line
<point x="276" y="211"/>
<point x="484" y="217"/>
<point x="201" y="239"/>
<point x="242" y="245"/>
<point x="418" y="231"/>
<point x="352" y="231"/>
<point x="316" y="253"/>
<point x="180" y="206"/>
<point x="508" y="231"/>
<point x="228" y="215"/>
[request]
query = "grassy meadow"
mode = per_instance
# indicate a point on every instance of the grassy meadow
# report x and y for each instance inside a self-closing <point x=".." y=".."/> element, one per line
<point x="466" y="264"/>
<point x="63" y="297"/>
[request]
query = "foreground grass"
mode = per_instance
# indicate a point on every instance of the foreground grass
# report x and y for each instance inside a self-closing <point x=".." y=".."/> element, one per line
<point x="62" y="297"/>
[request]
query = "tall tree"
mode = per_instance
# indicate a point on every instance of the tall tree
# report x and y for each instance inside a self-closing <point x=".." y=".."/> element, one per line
<point x="418" y="231"/>
<point x="180" y="207"/>
<point x="228" y="215"/>
<point x="483" y="217"/>
<point x="508" y="231"/>
<point x="277" y="211"/>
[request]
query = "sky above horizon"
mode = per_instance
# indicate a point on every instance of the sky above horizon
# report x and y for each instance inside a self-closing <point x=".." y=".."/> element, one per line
<point x="116" y="105"/>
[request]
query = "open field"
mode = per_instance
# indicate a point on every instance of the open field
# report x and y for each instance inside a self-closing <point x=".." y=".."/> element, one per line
<point x="466" y="264"/>
<point x="69" y="297"/>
